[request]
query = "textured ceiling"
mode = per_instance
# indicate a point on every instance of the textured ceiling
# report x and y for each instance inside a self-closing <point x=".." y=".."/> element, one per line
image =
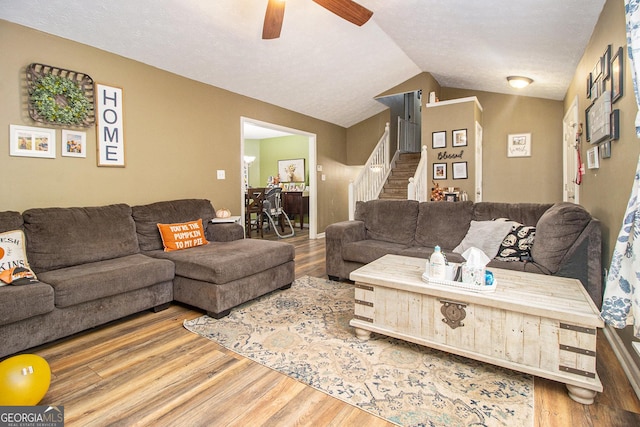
<point x="323" y="66"/>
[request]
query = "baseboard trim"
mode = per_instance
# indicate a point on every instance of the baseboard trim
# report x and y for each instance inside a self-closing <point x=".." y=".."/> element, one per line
<point x="625" y="359"/>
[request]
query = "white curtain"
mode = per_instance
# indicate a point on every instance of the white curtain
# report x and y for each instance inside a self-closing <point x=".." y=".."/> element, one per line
<point x="621" y="303"/>
<point x="632" y="14"/>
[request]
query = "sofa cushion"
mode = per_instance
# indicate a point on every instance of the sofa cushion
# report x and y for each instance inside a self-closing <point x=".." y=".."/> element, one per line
<point x="517" y="244"/>
<point x="22" y="302"/>
<point x="556" y="231"/>
<point x="366" y="251"/>
<point x="389" y="220"/>
<point x="12" y="255"/>
<point x="443" y="224"/>
<point x="182" y="235"/>
<point x="486" y="236"/>
<point x="63" y="237"/>
<point x="524" y="213"/>
<point x="10" y="220"/>
<point x="223" y="262"/>
<point x="147" y="218"/>
<point x="92" y="281"/>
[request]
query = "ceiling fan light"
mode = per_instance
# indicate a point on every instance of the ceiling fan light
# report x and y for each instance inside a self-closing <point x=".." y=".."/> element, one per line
<point x="519" y="82"/>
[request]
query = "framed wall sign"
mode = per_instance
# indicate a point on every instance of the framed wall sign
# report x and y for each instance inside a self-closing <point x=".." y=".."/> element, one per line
<point x="110" y="127"/>
<point x="519" y="145"/>
<point x="26" y="141"/>
<point x="593" y="161"/>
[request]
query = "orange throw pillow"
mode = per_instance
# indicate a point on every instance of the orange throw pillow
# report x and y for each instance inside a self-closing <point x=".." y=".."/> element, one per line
<point x="182" y="235"/>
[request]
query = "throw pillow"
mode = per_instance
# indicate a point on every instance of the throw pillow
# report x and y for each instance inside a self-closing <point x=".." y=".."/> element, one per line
<point x="17" y="276"/>
<point x="486" y="236"/>
<point x="516" y="246"/>
<point x="12" y="254"/>
<point x="182" y="235"/>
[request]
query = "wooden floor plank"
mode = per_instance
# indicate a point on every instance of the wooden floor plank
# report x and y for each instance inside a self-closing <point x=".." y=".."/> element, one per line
<point x="147" y="369"/>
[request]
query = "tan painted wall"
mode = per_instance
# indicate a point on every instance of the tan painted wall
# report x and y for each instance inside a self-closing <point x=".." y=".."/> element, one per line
<point x="446" y="118"/>
<point x="535" y="179"/>
<point x="178" y="132"/>
<point x="605" y="191"/>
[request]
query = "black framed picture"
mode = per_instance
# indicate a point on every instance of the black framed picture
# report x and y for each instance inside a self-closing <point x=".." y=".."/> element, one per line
<point x="617" y="76"/>
<point x="606" y="63"/>
<point x="605" y="150"/>
<point x="459" y="138"/>
<point x="589" y="82"/>
<point x="459" y="170"/>
<point x="439" y="139"/>
<point x="586" y="123"/>
<point x="439" y="171"/>
<point x="615" y="125"/>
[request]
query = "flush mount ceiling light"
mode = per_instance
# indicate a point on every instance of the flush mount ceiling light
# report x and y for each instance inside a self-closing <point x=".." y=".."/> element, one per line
<point x="519" y="82"/>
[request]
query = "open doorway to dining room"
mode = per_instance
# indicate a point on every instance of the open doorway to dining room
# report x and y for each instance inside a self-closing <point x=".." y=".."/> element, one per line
<point x="263" y="145"/>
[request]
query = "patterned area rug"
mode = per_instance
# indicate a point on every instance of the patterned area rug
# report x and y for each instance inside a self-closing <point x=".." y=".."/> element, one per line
<point x="304" y="333"/>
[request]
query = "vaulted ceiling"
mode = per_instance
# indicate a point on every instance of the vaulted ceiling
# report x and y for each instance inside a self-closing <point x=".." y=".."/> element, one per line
<point x="322" y="65"/>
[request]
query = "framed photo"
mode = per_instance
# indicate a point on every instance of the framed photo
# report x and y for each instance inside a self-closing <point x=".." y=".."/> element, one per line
<point x="439" y="171"/>
<point x="587" y="125"/>
<point x="615" y="125"/>
<point x="291" y="170"/>
<point x="605" y="150"/>
<point x="616" y="76"/>
<point x="459" y="170"/>
<point x="589" y="83"/>
<point x="450" y="197"/>
<point x="459" y="138"/>
<point x="74" y="143"/>
<point x="519" y="145"/>
<point x="26" y="141"/>
<point x="606" y="63"/>
<point x="285" y="186"/>
<point x="439" y="139"/>
<point x="592" y="158"/>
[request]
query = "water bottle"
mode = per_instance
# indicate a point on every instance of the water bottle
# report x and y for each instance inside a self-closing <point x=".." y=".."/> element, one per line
<point x="437" y="265"/>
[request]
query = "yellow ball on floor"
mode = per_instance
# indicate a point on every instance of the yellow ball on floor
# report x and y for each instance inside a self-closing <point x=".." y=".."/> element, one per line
<point x="24" y="380"/>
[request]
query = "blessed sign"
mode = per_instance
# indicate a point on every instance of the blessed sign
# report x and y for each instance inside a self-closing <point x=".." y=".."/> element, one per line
<point x="110" y="129"/>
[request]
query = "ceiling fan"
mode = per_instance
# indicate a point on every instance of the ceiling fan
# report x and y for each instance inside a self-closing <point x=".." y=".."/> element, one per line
<point x="346" y="9"/>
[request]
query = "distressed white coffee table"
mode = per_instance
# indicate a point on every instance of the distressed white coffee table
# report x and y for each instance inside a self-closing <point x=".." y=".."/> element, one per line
<point x="533" y="323"/>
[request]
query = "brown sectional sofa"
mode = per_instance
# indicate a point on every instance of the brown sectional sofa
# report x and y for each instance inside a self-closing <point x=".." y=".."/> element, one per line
<point x="567" y="242"/>
<point x="98" y="264"/>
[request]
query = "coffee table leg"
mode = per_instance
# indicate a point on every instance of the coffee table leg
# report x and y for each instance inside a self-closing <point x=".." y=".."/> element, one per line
<point x="581" y="395"/>
<point x="363" y="334"/>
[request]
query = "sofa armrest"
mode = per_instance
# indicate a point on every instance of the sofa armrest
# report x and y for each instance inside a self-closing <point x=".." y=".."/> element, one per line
<point x="224" y="232"/>
<point x="336" y="236"/>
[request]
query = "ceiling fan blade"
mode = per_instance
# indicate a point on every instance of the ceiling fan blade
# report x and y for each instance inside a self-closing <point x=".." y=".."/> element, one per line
<point x="273" y="19"/>
<point x="347" y="9"/>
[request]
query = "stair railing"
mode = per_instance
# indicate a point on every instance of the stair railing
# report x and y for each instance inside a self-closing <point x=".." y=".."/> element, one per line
<point x="417" y="189"/>
<point x="371" y="179"/>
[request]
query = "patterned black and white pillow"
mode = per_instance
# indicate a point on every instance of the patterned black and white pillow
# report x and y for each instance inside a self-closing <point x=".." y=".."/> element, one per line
<point x="516" y="246"/>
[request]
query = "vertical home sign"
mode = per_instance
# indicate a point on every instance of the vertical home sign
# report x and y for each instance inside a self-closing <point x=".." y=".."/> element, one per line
<point x="110" y="129"/>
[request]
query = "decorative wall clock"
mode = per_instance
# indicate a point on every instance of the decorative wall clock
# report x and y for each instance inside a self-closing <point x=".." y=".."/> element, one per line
<point x="59" y="96"/>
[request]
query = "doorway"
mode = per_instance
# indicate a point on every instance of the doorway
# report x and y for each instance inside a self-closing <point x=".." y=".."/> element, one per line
<point x="268" y="130"/>
<point x="570" y="147"/>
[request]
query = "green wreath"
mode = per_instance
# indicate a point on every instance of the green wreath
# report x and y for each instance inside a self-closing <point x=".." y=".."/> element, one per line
<point x="59" y="100"/>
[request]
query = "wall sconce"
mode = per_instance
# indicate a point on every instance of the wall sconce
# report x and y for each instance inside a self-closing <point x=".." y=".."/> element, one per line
<point x="519" y="82"/>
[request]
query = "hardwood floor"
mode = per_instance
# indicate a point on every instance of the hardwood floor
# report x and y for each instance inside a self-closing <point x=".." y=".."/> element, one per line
<point x="148" y="370"/>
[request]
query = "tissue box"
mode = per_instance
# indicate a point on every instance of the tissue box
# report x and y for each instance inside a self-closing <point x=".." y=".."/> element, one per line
<point x="473" y="275"/>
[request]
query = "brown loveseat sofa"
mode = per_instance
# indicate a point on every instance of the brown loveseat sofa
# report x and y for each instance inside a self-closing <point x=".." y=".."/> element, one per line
<point x="98" y="264"/>
<point x="567" y="238"/>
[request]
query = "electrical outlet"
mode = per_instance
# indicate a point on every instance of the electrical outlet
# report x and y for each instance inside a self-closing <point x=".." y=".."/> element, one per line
<point x="221" y="174"/>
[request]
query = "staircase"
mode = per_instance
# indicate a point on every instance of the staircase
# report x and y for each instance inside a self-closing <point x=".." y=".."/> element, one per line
<point x="405" y="168"/>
